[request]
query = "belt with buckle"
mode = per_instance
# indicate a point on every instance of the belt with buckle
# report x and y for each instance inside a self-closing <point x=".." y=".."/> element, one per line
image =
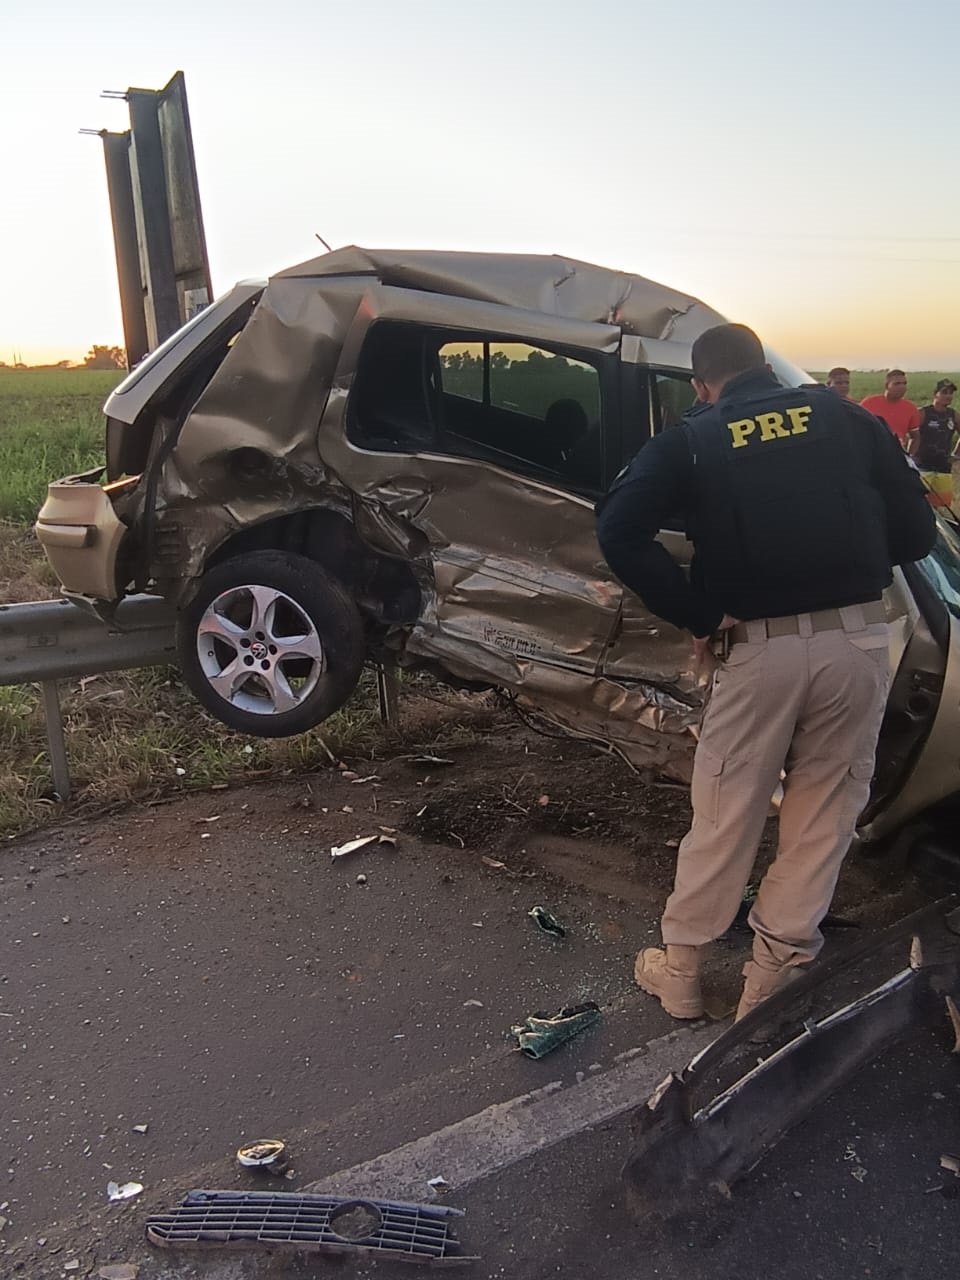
<point x="822" y="620"/>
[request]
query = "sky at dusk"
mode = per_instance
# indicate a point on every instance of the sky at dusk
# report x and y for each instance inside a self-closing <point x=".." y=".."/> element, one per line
<point x="792" y="165"/>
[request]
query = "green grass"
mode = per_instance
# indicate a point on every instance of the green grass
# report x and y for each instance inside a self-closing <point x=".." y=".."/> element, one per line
<point x="130" y="734"/>
<point x="51" y="425"/>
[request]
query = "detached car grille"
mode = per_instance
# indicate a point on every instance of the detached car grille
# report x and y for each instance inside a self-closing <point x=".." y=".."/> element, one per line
<point x="309" y="1223"/>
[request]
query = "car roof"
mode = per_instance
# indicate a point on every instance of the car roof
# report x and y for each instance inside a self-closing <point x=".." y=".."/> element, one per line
<point x="544" y="283"/>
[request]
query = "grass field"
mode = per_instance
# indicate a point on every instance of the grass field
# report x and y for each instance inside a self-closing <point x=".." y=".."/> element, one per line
<point x="129" y="733"/>
<point x="51" y="425"/>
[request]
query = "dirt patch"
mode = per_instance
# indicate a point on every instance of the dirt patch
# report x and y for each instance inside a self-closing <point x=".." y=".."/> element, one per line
<point x="24" y="571"/>
<point x="526" y="787"/>
<point x="608" y="869"/>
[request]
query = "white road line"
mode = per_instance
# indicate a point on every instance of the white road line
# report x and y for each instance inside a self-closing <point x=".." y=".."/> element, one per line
<point x="507" y="1132"/>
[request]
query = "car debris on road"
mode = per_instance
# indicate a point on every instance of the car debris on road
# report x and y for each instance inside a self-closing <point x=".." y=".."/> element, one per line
<point x="309" y="1224"/>
<point x="268" y="1155"/>
<point x="547" y="922"/>
<point x="541" y="1033"/>
<point x="341" y="850"/>
<point x="690" y="1139"/>
<point x="116" y="1191"/>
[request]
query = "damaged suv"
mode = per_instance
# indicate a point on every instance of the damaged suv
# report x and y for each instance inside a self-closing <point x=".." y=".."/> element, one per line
<point x="394" y="456"/>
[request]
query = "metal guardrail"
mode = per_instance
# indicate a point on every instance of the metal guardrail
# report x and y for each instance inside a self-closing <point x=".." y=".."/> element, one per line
<point x="50" y="640"/>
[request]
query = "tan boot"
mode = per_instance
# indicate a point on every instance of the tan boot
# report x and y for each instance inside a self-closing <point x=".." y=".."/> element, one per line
<point x="759" y="985"/>
<point x="673" y="976"/>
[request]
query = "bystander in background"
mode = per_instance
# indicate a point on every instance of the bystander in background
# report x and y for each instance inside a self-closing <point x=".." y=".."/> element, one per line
<point x="838" y="380"/>
<point x="933" y="444"/>
<point x="900" y="414"/>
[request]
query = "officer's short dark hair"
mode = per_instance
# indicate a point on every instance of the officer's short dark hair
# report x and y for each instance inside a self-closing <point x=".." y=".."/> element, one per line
<point x="838" y="372"/>
<point x="724" y="351"/>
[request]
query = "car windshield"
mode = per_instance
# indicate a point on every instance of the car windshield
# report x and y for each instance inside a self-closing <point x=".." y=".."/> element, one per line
<point x="791" y="375"/>
<point x="941" y="568"/>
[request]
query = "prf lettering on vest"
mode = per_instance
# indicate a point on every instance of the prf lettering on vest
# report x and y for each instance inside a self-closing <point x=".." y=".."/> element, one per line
<point x="773" y="426"/>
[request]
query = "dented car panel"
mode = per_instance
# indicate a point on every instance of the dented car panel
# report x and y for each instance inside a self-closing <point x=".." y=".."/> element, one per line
<point x="149" y="379"/>
<point x="541" y="286"/>
<point x="533" y="588"/>
<point x="935" y="777"/>
<point x="269" y="393"/>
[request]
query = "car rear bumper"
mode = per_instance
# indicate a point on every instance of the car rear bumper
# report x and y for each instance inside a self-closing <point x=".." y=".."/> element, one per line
<point x="82" y="534"/>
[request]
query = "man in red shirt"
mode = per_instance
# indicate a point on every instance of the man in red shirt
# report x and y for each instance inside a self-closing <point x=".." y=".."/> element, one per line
<point x="900" y="414"/>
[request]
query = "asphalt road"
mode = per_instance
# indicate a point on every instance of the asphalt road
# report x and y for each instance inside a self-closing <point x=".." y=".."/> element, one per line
<point x="207" y="970"/>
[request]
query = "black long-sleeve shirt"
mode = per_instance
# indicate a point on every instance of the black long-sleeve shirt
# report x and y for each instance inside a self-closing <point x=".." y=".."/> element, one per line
<point x="655" y="487"/>
<point x="660" y="483"/>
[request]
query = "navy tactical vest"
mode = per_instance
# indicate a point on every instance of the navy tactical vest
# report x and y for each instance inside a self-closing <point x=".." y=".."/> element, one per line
<point x="785" y="516"/>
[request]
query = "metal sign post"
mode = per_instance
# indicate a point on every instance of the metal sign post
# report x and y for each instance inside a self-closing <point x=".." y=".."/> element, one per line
<point x="161" y="249"/>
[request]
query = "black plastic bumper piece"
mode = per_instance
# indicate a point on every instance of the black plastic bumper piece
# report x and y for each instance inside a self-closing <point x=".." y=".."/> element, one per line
<point x="691" y="1140"/>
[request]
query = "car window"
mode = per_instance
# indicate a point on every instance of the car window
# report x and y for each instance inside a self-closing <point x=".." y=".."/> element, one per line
<point x="526" y="408"/>
<point x="673" y="396"/>
<point x="530" y="380"/>
<point x="791" y="375"/>
<point x="655" y="400"/>
<point x="534" y="406"/>
<point x="942" y="566"/>
<point x="462" y="369"/>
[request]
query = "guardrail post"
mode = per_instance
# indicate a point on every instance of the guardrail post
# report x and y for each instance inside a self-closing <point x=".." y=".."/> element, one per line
<point x="44" y="641"/>
<point x="388" y="694"/>
<point x="55" y="739"/>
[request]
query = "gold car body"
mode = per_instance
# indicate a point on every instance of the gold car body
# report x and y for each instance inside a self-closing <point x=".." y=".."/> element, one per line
<point x="512" y="589"/>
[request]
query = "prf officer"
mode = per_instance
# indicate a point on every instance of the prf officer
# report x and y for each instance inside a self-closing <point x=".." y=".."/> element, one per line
<point x="797" y="504"/>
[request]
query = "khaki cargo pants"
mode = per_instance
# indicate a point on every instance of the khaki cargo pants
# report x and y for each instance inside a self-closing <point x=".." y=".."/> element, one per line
<point x="809" y="704"/>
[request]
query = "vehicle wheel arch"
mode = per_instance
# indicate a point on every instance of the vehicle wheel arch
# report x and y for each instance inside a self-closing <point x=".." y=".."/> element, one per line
<point x="924" y="848"/>
<point x="385" y="588"/>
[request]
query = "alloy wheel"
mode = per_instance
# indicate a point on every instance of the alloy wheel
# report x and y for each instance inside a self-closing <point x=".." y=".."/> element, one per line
<point x="259" y="650"/>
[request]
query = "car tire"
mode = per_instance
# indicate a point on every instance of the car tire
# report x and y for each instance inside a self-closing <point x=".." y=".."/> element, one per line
<point x="271" y="644"/>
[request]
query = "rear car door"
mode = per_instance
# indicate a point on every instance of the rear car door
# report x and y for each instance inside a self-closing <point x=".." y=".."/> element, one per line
<point x="487" y="433"/>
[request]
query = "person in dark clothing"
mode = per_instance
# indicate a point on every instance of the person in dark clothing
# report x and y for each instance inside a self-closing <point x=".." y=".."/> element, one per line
<point x="933" y="444"/>
<point x="797" y="503"/>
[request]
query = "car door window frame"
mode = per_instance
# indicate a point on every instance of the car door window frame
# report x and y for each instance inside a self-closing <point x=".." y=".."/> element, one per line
<point x="428" y="436"/>
<point x="655" y="377"/>
<point x="643" y="413"/>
